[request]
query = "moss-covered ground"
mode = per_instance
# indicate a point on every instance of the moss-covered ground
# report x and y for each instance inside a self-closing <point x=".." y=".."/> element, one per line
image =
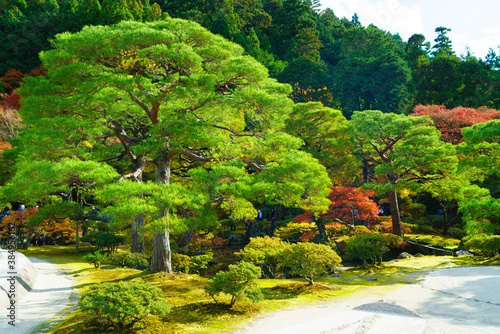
<point x="193" y="311"/>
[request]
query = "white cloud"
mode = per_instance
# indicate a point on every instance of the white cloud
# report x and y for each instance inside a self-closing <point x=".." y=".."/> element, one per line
<point x="486" y="39"/>
<point x="389" y="15"/>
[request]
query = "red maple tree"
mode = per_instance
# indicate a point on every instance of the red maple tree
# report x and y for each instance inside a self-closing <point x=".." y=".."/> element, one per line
<point x="347" y="204"/>
<point x="450" y="122"/>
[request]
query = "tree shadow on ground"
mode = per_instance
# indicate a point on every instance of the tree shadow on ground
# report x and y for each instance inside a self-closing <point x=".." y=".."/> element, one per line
<point x="203" y="311"/>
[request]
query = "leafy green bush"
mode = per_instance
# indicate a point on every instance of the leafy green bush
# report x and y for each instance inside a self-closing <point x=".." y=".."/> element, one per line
<point x="479" y="227"/>
<point x="292" y="231"/>
<point x="181" y="262"/>
<point x="487" y="245"/>
<point x="109" y="241"/>
<point x="129" y="260"/>
<point x="95" y="258"/>
<point x="368" y="246"/>
<point x="200" y="262"/>
<point x="420" y="228"/>
<point x="264" y="251"/>
<point x="309" y="260"/>
<point x="239" y="281"/>
<point x="457" y="232"/>
<point x="124" y="303"/>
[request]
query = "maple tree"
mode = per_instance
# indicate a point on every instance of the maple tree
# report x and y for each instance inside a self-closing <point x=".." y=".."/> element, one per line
<point x="347" y="204"/>
<point x="450" y="122"/>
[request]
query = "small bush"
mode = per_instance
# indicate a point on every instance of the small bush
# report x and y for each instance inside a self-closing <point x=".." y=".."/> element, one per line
<point x="200" y="262"/>
<point x="103" y="240"/>
<point x="368" y="246"/>
<point x="420" y="228"/>
<point x="124" y="303"/>
<point x="292" y="231"/>
<point x="309" y="260"/>
<point x="240" y="282"/>
<point x="96" y="258"/>
<point x="181" y="262"/>
<point x="264" y="252"/>
<point x="487" y="245"/>
<point x="457" y="232"/>
<point x="129" y="260"/>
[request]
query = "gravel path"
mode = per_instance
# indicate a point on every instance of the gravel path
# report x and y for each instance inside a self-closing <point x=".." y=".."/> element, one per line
<point x="35" y="309"/>
<point x="447" y="301"/>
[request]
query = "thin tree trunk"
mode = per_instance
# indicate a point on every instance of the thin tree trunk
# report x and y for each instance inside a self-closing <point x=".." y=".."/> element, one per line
<point x="396" y="217"/>
<point x="322" y="230"/>
<point x="137" y="239"/>
<point x="77" y="237"/>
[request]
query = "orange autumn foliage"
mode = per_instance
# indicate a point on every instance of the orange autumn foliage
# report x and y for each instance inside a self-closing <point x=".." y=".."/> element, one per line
<point x="450" y="122"/>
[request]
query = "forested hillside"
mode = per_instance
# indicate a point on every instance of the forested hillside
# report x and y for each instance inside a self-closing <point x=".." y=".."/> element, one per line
<point x="337" y="61"/>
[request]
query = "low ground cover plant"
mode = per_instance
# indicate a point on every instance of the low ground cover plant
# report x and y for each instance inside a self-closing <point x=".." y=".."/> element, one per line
<point x="122" y="304"/>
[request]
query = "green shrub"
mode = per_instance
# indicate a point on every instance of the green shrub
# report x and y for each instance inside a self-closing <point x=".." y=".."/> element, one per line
<point x="181" y="262"/>
<point x="457" y="232"/>
<point x="292" y="231"/>
<point x="96" y="258"/>
<point x="264" y="251"/>
<point x="239" y="281"/>
<point x="420" y="228"/>
<point x="479" y="227"/>
<point x="109" y="241"/>
<point x="129" y="260"/>
<point x="309" y="260"/>
<point x="124" y="303"/>
<point x="200" y="262"/>
<point x="487" y="245"/>
<point x="368" y="246"/>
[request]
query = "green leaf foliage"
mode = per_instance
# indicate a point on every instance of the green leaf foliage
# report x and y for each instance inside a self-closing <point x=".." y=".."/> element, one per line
<point x="124" y="303"/>
<point x="309" y="260"/>
<point x="264" y="251"/>
<point x="239" y="281"/>
<point x="370" y="247"/>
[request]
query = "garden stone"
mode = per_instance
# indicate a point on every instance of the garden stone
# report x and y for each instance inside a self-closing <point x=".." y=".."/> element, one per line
<point x="235" y="239"/>
<point x="405" y="255"/>
<point x="462" y="253"/>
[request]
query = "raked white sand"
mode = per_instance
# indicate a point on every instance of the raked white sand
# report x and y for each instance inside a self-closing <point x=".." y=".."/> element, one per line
<point x="35" y="309"/>
<point x="447" y="301"/>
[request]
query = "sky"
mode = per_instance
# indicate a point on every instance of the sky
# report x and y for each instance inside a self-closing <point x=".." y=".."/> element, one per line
<point x="473" y="23"/>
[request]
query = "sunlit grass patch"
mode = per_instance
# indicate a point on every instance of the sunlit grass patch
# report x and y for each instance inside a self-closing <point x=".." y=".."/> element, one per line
<point x="438" y="241"/>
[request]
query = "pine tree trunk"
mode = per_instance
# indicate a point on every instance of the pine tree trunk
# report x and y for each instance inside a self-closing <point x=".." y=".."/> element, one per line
<point x="137" y="239"/>
<point x="322" y="230"/>
<point x="161" y="259"/>
<point x="396" y="218"/>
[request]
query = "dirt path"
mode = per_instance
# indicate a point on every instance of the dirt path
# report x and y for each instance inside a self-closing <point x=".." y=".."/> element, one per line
<point x="454" y="300"/>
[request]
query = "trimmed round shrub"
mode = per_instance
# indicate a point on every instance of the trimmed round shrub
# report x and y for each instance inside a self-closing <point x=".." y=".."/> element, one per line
<point x="264" y="252"/>
<point x="370" y="246"/>
<point x="124" y="303"/>
<point x="309" y="260"/>
<point x="239" y="281"/>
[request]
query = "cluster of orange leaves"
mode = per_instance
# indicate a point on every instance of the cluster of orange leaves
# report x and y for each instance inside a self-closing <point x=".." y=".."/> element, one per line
<point x="55" y="230"/>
